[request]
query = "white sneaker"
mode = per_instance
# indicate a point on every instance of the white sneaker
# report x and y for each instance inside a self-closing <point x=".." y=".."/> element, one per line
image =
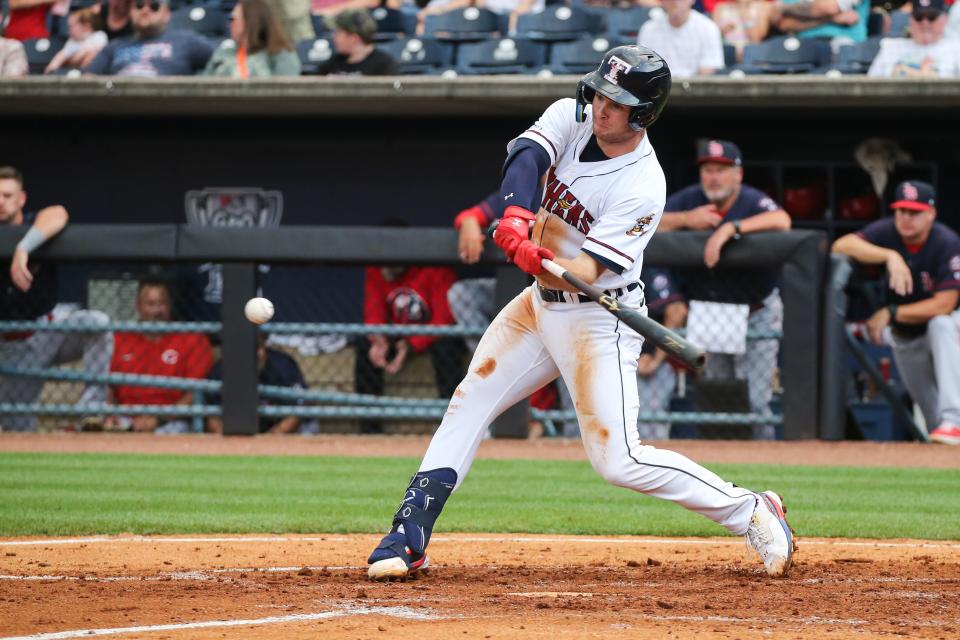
<point x="770" y="535"/>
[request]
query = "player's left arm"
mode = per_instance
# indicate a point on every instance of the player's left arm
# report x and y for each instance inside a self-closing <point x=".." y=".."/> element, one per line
<point x="941" y="304"/>
<point x="49" y="222"/>
<point x="770" y="218"/>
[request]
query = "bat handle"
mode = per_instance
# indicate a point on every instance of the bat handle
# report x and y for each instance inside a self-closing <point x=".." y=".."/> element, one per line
<point x="553" y="268"/>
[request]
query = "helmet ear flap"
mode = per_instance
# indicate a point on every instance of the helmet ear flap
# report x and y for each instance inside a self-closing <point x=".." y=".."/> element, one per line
<point x="585" y="95"/>
<point x="642" y="116"/>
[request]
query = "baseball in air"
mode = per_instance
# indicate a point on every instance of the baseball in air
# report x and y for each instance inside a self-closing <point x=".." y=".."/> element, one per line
<point x="258" y="310"/>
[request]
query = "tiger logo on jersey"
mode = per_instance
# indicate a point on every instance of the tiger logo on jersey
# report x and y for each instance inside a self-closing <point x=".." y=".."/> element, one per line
<point x="641" y="226"/>
<point x="560" y="201"/>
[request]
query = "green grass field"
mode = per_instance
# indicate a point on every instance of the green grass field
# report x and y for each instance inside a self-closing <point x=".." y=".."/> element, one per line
<point x="82" y="494"/>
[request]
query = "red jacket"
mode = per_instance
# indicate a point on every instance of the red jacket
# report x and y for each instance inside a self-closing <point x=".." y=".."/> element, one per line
<point x="182" y="355"/>
<point x="418" y="296"/>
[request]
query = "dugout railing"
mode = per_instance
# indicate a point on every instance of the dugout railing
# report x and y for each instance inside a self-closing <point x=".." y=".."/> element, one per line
<point x="800" y="256"/>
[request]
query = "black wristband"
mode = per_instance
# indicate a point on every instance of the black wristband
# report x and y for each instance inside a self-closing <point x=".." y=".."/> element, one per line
<point x="892" y="308"/>
<point x="736" y="229"/>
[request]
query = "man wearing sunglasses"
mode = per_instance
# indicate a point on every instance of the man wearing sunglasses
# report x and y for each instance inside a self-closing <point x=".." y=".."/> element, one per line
<point x="153" y="50"/>
<point x="927" y="53"/>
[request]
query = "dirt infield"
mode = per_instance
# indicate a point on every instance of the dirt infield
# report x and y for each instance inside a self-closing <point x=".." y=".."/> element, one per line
<point x="482" y="585"/>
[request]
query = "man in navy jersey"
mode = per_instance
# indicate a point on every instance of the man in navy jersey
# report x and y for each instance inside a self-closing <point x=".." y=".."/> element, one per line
<point x="922" y="259"/>
<point x="28" y="292"/>
<point x="721" y="201"/>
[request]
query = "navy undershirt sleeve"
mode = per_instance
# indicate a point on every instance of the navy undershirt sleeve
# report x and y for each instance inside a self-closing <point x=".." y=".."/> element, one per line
<point x="521" y="176"/>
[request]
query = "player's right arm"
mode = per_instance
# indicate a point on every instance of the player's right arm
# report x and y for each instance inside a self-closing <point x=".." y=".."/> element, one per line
<point x="49" y="222"/>
<point x="858" y="247"/>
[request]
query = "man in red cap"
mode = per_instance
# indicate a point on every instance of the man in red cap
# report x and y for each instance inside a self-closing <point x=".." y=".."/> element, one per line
<point x="922" y="258"/>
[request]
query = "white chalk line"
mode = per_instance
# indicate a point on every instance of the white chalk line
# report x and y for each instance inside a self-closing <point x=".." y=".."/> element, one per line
<point x="496" y="539"/>
<point x="787" y="622"/>
<point x="395" y="612"/>
<point x="195" y="574"/>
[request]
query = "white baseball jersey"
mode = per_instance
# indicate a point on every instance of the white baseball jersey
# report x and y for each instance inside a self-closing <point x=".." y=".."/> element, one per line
<point x="609" y="209"/>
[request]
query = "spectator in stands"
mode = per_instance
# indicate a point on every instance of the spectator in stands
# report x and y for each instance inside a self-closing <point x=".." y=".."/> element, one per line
<point x="688" y="40"/>
<point x="927" y="53"/>
<point x="722" y="201"/>
<point x="922" y="322"/>
<point x="274" y="368"/>
<point x="257" y="48"/>
<point x="177" y="355"/>
<point x="28" y="292"/>
<point x="331" y="8"/>
<point x="840" y="21"/>
<point x="28" y="19"/>
<point x="356" y="54"/>
<point x="742" y="22"/>
<point x="152" y="50"/>
<point x="293" y="17"/>
<point x="407" y="296"/>
<point x="115" y="20"/>
<point x="13" y="57"/>
<point x="85" y="42"/>
<point x="656" y="377"/>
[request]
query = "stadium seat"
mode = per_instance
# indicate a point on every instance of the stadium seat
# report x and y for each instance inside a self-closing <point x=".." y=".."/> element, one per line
<point x="503" y="56"/>
<point x="420" y="56"/>
<point x="312" y="52"/>
<point x="208" y="21"/>
<point x="393" y="24"/>
<point x="319" y="25"/>
<point x="623" y="25"/>
<point x="579" y="57"/>
<point x="899" y="25"/>
<point x="729" y="55"/>
<point x="559" y="24"/>
<point x="463" y="25"/>
<point x="40" y="52"/>
<point x="854" y="59"/>
<point x="785" y="55"/>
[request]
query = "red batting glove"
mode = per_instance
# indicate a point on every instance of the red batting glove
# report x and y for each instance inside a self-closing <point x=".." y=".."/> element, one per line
<point x="528" y="255"/>
<point x="514" y="228"/>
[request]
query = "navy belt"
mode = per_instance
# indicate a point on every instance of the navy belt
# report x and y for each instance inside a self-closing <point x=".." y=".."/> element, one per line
<point x="556" y="295"/>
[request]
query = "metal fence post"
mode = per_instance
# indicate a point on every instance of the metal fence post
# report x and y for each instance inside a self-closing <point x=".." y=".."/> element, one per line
<point x="512" y="423"/>
<point x="239" y="399"/>
<point x="833" y="387"/>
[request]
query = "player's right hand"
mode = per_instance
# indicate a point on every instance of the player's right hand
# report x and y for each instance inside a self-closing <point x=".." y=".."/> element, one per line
<point x="901" y="280"/>
<point x="20" y="270"/>
<point x="514" y="228"/>
<point x="470" y="244"/>
<point x="703" y="217"/>
<point x="378" y="351"/>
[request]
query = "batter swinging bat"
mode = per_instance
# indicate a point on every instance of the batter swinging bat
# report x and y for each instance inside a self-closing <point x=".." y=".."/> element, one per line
<point x="673" y="344"/>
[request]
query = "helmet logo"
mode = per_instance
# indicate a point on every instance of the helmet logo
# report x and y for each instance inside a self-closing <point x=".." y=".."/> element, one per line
<point x="617" y="67"/>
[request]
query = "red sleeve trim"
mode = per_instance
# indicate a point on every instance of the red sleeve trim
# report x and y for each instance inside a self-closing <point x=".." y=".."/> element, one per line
<point x="556" y="156"/>
<point x="946" y="285"/>
<point x="615" y="250"/>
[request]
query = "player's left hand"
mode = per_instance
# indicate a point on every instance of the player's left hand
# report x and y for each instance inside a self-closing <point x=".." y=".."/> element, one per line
<point x="20" y="271"/>
<point x="711" y="251"/>
<point x="514" y="229"/>
<point x="528" y="256"/>
<point x="470" y="242"/>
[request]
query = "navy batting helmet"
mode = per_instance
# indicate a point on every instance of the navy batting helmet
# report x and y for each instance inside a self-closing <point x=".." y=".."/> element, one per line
<point x="633" y="76"/>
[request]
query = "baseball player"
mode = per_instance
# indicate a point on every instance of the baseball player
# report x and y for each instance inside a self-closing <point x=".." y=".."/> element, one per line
<point x="922" y="258"/>
<point x="603" y="199"/>
<point x="29" y="292"/>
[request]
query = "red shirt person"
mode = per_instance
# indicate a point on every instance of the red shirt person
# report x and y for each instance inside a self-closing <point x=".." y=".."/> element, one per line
<point x="407" y="296"/>
<point x="179" y="355"/>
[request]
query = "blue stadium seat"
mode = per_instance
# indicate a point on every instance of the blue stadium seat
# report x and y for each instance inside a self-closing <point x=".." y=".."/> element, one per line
<point x="559" y="24"/>
<point x="463" y="25"/>
<point x="420" y="56"/>
<point x="623" y="25"/>
<point x="208" y="20"/>
<point x="785" y="55"/>
<point x="502" y="56"/>
<point x="393" y="24"/>
<point x="312" y="52"/>
<point x="729" y="55"/>
<point x="899" y="25"/>
<point x="40" y="52"/>
<point x="579" y="57"/>
<point x="319" y="24"/>
<point x="855" y="59"/>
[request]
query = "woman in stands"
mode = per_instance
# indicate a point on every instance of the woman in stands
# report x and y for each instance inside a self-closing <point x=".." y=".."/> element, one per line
<point x="258" y="47"/>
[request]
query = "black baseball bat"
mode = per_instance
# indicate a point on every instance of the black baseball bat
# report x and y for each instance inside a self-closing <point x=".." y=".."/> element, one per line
<point x="675" y="345"/>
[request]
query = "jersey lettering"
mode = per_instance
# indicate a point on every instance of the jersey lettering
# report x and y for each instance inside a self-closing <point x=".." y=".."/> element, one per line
<point x="560" y="201"/>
